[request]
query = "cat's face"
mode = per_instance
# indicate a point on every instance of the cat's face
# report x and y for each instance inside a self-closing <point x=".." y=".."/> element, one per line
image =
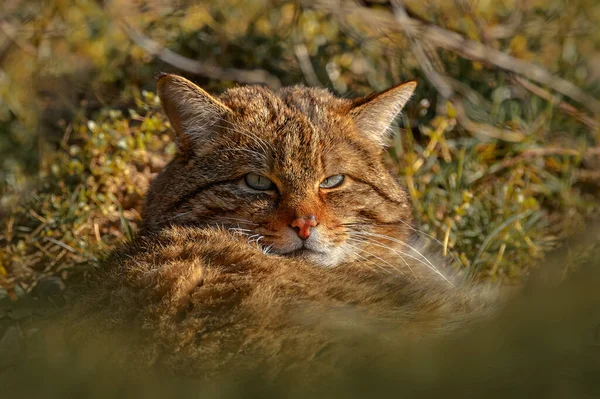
<point x="299" y="170"/>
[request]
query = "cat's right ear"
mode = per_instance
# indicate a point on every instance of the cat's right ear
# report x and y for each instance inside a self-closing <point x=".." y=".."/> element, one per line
<point x="193" y="113"/>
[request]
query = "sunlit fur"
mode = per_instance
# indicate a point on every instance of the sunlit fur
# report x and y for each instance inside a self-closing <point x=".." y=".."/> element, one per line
<point x="296" y="137"/>
<point x="218" y="276"/>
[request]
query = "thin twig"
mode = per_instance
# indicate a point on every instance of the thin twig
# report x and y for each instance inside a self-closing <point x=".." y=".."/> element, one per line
<point x="552" y="99"/>
<point x="550" y="151"/>
<point x="425" y="32"/>
<point x="444" y="86"/>
<point x="61" y="244"/>
<point x="12" y="34"/>
<point x="256" y="76"/>
<point x="471" y="49"/>
<point x="482" y="129"/>
<point x="588" y="176"/>
<point x="306" y="65"/>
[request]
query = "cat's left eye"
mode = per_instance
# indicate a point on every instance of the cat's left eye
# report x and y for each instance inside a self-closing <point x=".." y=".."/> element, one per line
<point x="332" y="181"/>
<point x="258" y="182"/>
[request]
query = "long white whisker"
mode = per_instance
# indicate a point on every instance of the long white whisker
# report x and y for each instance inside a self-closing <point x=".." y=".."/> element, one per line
<point x="381" y="245"/>
<point x="433" y="238"/>
<point x="366" y="262"/>
<point x="376" y="257"/>
<point x="393" y="250"/>
<point x="412" y="228"/>
<point x="253" y="238"/>
<point x="366" y="233"/>
<point x="430" y="265"/>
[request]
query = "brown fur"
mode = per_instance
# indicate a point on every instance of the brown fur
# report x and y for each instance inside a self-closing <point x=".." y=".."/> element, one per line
<point x="296" y="137"/>
<point x="218" y="275"/>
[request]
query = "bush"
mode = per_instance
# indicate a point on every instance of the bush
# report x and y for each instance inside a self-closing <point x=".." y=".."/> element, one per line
<point x="500" y="167"/>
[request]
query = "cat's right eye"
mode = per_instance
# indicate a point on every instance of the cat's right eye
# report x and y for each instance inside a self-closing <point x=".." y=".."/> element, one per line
<point x="258" y="182"/>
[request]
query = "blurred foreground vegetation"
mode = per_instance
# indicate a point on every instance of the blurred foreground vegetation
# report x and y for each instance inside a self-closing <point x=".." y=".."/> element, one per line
<point x="500" y="166"/>
<point x="545" y="343"/>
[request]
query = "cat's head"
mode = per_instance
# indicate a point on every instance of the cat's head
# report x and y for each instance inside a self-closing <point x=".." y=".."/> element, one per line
<point x="298" y="170"/>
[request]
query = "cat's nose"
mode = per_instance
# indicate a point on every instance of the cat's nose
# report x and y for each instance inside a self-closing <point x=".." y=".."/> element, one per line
<point x="303" y="224"/>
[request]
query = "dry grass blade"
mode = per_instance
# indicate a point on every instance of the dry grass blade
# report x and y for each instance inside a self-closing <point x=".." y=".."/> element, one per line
<point x="474" y="50"/>
<point x="256" y="76"/>
<point x="563" y="106"/>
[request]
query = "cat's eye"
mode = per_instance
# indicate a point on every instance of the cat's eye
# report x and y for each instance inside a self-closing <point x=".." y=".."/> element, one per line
<point x="332" y="181"/>
<point x="258" y="182"/>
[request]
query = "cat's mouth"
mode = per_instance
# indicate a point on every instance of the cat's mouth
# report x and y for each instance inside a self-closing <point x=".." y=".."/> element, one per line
<point x="323" y="257"/>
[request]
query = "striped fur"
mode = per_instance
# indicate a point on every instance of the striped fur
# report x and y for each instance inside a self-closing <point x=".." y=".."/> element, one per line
<point x="217" y="279"/>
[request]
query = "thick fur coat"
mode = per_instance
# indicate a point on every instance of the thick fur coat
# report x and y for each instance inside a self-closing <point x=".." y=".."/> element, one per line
<point x="276" y="237"/>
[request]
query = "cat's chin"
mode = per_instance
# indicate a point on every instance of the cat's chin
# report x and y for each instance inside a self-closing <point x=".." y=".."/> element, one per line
<point x="316" y="258"/>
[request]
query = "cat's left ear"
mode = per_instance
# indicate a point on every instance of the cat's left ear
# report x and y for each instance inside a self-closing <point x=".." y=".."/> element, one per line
<point x="374" y="114"/>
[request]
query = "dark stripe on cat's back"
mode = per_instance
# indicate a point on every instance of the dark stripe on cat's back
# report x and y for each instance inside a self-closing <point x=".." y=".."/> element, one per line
<point x="195" y="192"/>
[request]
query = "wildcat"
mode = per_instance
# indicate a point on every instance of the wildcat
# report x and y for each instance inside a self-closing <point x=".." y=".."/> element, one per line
<point x="274" y="237"/>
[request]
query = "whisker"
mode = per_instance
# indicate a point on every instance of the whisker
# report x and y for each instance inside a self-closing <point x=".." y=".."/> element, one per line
<point x="397" y="251"/>
<point x="267" y="249"/>
<point x="393" y="239"/>
<point x="393" y="250"/>
<point x="253" y="238"/>
<point x="177" y="216"/>
<point x="239" y="230"/>
<point x="366" y="262"/>
<point x="429" y="264"/>
<point x="458" y="262"/>
<point x="244" y="221"/>
<point x="376" y="257"/>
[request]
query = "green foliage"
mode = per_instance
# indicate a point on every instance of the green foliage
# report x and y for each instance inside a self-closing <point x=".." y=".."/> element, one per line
<point x="80" y="136"/>
<point x="89" y="198"/>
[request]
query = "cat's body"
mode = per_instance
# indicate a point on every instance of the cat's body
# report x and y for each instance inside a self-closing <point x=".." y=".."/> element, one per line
<point x="274" y="237"/>
<point x="198" y="300"/>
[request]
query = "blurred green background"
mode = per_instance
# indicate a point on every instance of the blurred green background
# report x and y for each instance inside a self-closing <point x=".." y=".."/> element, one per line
<point x="502" y="161"/>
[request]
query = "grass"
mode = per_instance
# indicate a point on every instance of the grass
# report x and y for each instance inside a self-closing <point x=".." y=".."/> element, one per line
<point x="498" y="221"/>
<point x="496" y="206"/>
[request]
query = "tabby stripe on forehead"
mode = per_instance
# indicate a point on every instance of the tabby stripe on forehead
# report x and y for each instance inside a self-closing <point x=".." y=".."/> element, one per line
<point x="197" y="191"/>
<point x="365" y="155"/>
<point x="380" y="192"/>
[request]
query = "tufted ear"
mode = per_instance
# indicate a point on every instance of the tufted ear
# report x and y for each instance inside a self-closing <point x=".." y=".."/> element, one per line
<point x="193" y="113"/>
<point x="374" y="114"/>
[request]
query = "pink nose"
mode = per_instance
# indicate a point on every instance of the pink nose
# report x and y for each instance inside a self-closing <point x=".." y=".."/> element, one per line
<point x="303" y="224"/>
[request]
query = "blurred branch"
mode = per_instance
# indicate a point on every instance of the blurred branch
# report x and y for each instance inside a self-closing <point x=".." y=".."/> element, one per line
<point x="445" y="87"/>
<point x="489" y="33"/>
<point x="256" y="76"/>
<point x="590" y="176"/>
<point x="550" y="151"/>
<point x="425" y="32"/>
<point x="503" y="31"/>
<point x="567" y="108"/>
<point x="471" y="49"/>
<point x="306" y="66"/>
<point x="13" y="35"/>
<point x="483" y="129"/>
